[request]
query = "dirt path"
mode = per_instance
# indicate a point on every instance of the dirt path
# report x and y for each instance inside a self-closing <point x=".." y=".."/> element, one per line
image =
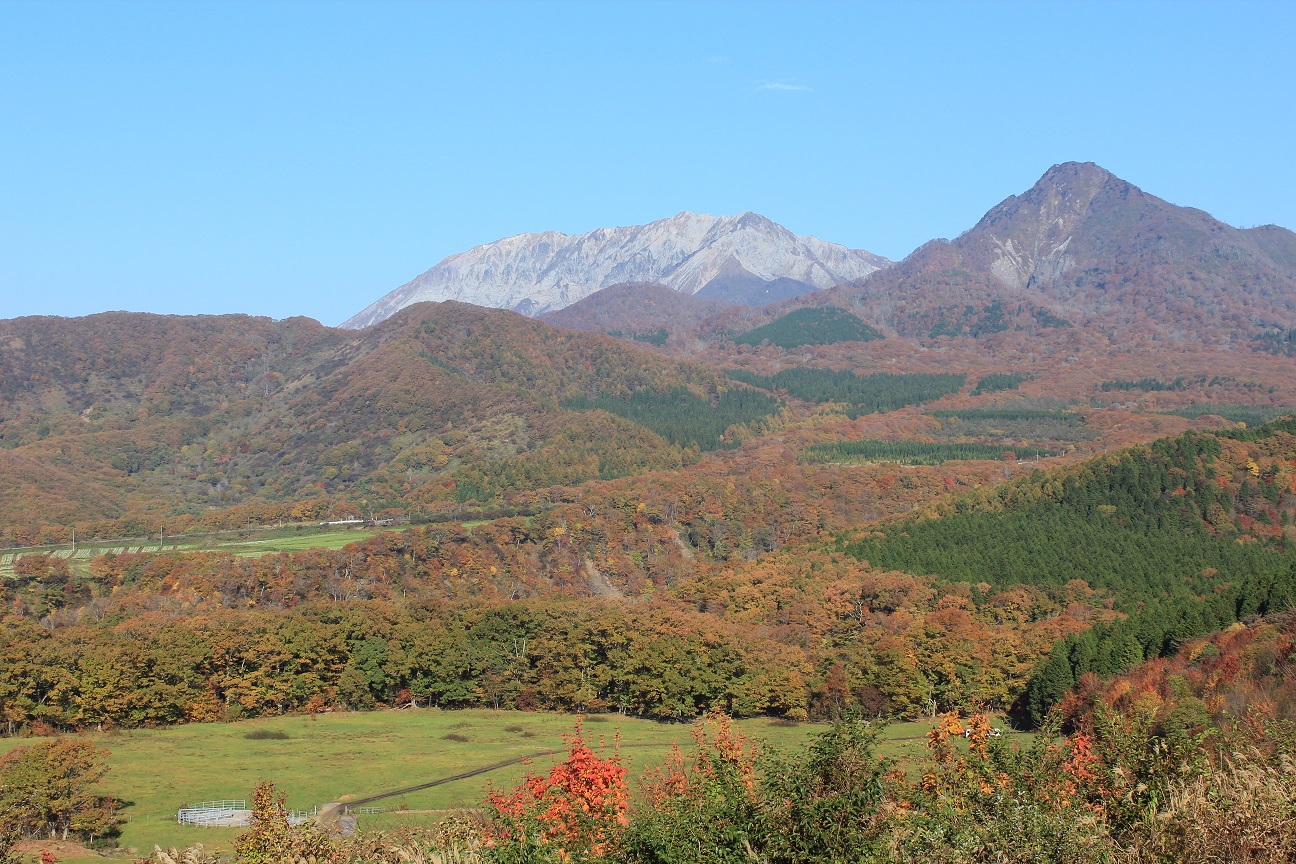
<point x="683" y="547"/>
<point x="360" y="802"/>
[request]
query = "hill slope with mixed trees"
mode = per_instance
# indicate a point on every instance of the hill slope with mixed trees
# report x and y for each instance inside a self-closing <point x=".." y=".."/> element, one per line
<point x="1184" y="537"/>
<point x="136" y="417"/>
<point x="1001" y="597"/>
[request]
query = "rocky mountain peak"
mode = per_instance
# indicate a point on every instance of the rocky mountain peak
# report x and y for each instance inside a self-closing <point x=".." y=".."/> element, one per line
<point x="1029" y="236"/>
<point x="1083" y="246"/>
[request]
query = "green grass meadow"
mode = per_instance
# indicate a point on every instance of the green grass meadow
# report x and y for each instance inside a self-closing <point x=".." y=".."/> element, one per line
<point x="251" y="543"/>
<point x="347" y="756"/>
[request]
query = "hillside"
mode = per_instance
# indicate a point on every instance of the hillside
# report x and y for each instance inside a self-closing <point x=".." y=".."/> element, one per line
<point x="1084" y="248"/>
<point x="725" y="561"/>
<point x="98" y="423"/>
<point x="1184" y="537"/>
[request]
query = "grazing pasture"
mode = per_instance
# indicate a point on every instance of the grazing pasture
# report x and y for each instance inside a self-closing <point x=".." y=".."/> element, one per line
<point x="348" y="756"/>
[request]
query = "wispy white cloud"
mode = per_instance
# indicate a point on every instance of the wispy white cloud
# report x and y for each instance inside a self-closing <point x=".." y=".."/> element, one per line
<point x="717" y="58"/>
<point x="784" y="87"/>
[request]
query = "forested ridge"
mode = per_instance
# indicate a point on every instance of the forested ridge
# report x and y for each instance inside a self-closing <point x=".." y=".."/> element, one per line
<point x="1184" y="537"/>
<point x="117" y="421"/>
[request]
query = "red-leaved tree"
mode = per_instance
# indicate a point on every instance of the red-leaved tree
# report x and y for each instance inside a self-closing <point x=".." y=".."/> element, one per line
<point x="573" y="814"/>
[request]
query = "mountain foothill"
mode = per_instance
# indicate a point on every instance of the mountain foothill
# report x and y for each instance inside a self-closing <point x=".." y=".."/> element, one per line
<point x="1000" y="473"/>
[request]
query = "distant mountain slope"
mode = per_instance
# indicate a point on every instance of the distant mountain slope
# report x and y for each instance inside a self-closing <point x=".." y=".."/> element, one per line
<point x="747" y="258"/>
<point x="633" y="307"/>
<point x="1084" y="247"/>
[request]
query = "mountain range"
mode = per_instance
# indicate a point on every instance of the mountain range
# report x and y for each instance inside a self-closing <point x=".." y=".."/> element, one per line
<point x="1080" y="248"/>
<point x="745" y="259"/>
<point x="119" y="415"/>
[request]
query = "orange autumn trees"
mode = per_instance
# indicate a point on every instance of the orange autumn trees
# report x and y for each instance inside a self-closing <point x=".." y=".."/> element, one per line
<point x="47" y="792"/>
<point x="572" y="814"/>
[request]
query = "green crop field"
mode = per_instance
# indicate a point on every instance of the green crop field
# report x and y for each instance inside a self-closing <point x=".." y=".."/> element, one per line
<point x="347" y="756"/>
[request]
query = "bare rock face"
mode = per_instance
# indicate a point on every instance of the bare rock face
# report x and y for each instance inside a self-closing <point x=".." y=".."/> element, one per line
<point x="1030" y="234"/>
<point x="689" y="252"/>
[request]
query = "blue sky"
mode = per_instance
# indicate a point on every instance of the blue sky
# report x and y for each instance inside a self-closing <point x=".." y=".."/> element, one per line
<point x="300" y="158"/>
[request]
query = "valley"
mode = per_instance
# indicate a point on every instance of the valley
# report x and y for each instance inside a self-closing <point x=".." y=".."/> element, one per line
<point x="1015" y="473"/>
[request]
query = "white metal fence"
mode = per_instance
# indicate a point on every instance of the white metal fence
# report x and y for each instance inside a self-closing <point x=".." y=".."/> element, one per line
<point x="231" y="813"/>
<point x="211" y="814"/>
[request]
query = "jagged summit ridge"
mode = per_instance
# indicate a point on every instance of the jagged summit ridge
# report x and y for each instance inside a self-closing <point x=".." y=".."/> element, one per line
<point x="535" y="273"/>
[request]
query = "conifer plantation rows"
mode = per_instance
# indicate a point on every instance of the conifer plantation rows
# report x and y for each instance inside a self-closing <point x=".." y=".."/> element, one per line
<point x="880" y="391"/>
<point x="914" y="452"/>
<point x="997" y="381"/>
<point x="683" y="418"/>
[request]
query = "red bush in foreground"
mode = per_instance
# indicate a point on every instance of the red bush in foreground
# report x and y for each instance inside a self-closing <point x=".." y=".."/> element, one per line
<point x="570" y="815"/>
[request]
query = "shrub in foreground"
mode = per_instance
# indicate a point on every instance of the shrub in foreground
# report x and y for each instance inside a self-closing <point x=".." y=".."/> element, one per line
<point x="575" y="813"/>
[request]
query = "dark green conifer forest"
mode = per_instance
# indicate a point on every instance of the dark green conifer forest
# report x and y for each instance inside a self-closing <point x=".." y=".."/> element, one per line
<point x="821" y="325"/>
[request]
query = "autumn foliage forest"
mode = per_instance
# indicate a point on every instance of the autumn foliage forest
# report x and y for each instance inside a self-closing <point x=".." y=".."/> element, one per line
<point x="732" y="515"/>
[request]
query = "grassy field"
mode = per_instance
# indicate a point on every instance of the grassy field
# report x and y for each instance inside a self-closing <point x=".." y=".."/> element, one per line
<point x="250" y="542"/>
<point x="297" y="541"/>
<point x="341" y="757"/>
